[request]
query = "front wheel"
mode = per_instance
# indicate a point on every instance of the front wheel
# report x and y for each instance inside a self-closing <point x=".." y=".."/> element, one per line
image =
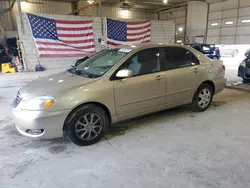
<point x="86" y="125"/>
<point x="202" y="98"/>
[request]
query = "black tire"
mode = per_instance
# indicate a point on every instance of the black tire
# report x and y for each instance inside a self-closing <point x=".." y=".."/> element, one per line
<point x="70" y="130"/>
<point x="245" y="81"/>
<point x="195" y="104"/>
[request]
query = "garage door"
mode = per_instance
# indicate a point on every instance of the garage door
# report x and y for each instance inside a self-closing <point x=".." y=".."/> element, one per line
<point x="229" y="22"/>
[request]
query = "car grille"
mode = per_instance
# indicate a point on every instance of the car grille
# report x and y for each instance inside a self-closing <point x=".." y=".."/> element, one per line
<point x="17" y="100"/>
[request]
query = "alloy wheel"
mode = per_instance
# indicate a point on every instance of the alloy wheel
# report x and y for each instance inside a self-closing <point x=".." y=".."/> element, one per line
<point x="88" y="126"/>
<point x="204" y="98"/>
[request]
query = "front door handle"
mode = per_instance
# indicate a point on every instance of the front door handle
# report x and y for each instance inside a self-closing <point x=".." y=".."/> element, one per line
<point x="196" y="70"/>
<point x="159" y="77"/>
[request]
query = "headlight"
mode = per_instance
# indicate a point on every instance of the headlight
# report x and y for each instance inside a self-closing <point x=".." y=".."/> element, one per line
<point x="38" y="103"/>
<point x="243" y="64"/>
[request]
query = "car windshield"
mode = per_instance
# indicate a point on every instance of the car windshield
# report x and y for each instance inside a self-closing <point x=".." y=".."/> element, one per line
<point x="100" y="63"/>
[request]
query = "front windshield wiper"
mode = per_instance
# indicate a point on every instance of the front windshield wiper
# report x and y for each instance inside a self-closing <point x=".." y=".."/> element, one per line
<point x="76" y="71"/>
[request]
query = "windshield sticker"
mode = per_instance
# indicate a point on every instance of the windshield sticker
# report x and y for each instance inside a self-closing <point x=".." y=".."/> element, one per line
<point x="126" y="50"/>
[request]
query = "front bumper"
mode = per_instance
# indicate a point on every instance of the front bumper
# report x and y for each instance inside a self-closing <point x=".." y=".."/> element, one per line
<point x="39" y="124"/>
<point x="244" y="73"/>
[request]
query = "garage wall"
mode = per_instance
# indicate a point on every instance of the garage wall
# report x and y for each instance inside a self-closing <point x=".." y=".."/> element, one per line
<point x="226" y="22"/>
<point x="161" y="31"/>
<point x="5" y="19"/>
<point x="178" y="16"/>
<point x="115" y="12"/>
<point x="8" y="20"/>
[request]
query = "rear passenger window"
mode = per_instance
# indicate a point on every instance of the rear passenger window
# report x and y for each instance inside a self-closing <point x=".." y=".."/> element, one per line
<point x="177" y="57"/>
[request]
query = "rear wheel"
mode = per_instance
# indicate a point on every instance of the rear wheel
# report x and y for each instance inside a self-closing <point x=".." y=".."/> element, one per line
<point x="202" y="98"/>
<point x="87" y="125"/>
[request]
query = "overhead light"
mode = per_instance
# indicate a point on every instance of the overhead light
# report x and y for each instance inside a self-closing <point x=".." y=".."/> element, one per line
<point x="165" y="1"/>
<point x="90" y="2"/>
<point x="180" y="29"/>
<point x="229" y="23"/>
<point x="25" y="5"/>
<point x="245" y="21"/>
<point x="214" y="24"/>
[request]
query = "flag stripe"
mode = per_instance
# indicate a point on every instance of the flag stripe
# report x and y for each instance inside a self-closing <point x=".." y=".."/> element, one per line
<point x="75" y="35"/>
<point x="58" y="44"/>
<point x="140" y="25"/>
<point x="64" y="55"/>
<point x="73" y="29"/>
<point x="90" y="50"/>
<point x="138" y="28"/>
<point x="141" y="33"/>
<point x="139" y="39"/>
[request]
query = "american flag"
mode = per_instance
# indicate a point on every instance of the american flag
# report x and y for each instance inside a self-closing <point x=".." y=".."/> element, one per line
<point x="62" y="38"/>
<point x="119" y="32"/>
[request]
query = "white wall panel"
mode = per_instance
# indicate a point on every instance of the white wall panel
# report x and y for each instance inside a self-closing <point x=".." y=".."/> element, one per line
<point x="244" y="11"/>
<point x="229" y="4"/>
<point x="230" y="13"/>
<point x="213" y="40"/>
<point x="244" y="3"/>
<point x="215" y="15"/>
<point x="228" y="31"/>
<point x="243" y="39"/>
<point x="243" y="30"/>
<point x="227" y="39"/>
<point x="213" y="32"/>
<point x="215" y="7"/>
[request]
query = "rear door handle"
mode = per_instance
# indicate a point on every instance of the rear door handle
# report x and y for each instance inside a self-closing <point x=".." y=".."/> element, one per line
<point x="159" y="77"/>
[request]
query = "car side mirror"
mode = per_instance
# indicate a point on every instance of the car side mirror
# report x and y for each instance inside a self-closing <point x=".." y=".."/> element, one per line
<point x="124" y="73"/>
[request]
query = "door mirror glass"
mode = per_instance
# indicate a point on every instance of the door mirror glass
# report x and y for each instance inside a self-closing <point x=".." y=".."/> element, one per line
<point x="79" y="61"/>
<point x="124" y="73"/>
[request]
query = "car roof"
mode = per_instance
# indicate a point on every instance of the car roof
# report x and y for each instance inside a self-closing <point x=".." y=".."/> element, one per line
<point x="149" y="45"/>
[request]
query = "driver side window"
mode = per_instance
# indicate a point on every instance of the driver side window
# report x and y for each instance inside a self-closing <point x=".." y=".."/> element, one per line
<point x="144" y="62"/>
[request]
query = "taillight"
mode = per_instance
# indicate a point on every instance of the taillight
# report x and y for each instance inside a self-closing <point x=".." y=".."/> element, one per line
<point x="223" y="67"/>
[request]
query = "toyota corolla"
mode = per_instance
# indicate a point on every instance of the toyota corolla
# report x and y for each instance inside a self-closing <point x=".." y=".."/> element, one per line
<point x="115" y="85"/>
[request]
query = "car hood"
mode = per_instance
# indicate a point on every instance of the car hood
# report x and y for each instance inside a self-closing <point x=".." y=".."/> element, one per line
<point x="53" y="85"/>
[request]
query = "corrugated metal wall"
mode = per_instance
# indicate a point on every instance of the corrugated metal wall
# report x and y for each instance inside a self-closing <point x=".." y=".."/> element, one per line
<point x="5" y="19"/>
<point x="115" y="12"/>
<point x="46" y="7"/>
<point x="229" y="22"/>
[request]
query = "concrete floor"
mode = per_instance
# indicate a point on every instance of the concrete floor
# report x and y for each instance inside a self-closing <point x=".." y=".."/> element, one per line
<point x="175" y="148"/>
